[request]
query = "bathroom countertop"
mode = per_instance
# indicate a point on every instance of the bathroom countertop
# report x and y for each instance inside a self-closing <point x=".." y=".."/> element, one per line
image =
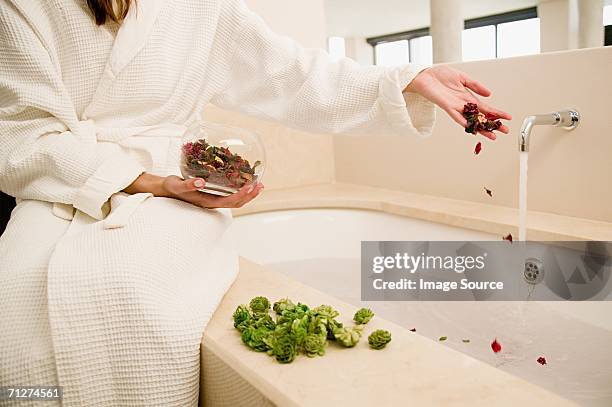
<point x="412" y="369"/>
<point x="471" y="215"/>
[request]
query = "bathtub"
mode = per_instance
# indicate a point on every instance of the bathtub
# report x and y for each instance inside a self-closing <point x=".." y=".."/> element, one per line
<point x="321" y="248"/>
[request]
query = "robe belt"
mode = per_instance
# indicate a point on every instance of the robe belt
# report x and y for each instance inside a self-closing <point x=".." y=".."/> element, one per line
<point x="93" y="131"/>
<point x="126" y="205"/>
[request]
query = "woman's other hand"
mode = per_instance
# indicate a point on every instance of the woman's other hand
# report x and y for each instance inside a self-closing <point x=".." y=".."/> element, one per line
<point x="187" y="190"/>
<point x="451" y="90"/>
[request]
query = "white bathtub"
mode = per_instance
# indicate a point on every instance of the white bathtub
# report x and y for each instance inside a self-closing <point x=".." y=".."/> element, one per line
<point x="321" y="248"/>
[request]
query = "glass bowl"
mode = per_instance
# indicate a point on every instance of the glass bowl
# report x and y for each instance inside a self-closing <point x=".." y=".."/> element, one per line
<point x="226" y="157"/>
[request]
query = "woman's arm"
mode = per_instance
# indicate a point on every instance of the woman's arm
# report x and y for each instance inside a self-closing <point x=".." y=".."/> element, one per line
<point x="273" y="77"/>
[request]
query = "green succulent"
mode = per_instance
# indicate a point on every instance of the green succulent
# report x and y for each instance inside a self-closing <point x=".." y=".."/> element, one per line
<point x="292" y="313"/>
<point x="283" y="304"/>
<point x="285" y="349"/>
<point x="259" y="305"/>
<point x="245" y="335"/>
<point x="299" y="329"/>
<point x="363" y="316"/>
<point x="265" y="320"/>
<point x="314" y="345"/>
<point x="254" y="338"/>
<point x="318" y="325"/>
<point x="242" y="317"/>
<point x="348" y="337"/>
<point x="325" y="311"/>
<point x="332" y="325"/>
<point x="379" y="339"/>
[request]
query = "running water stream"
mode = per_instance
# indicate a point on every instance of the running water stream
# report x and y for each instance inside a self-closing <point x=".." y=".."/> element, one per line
<point x="523" y="157"/>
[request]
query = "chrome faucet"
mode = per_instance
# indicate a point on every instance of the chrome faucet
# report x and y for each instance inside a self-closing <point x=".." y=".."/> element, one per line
<point x="569" y="119"/>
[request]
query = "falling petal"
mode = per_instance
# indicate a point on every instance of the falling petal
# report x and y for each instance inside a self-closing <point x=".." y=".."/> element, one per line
<point x="542" y="360"/>
<point x="413" y="330"/>
<point x="465" y="340"/>
<point x="508" y="237"/>
<point x="496" y="346"/>
<point x="489" y="192"/>
<point x="442" y="338"/>
<point x="478" y="148"/>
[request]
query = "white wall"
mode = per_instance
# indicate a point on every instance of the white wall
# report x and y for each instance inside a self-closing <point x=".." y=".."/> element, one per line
<point x="570" y="24"/>
<point x="302" y="20"/>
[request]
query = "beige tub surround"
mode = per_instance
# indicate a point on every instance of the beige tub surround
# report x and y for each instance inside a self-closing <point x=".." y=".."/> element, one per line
<point x="568" y="171"/>
<point x="410" y="370"/>
<point x="471" y="215"/>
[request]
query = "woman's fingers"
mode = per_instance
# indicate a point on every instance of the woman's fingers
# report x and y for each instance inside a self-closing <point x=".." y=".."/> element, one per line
<point x="457" y="117"/>
<point x="476" y="87"/>
<point x="504" y="129"/>
<point x="243" y="196"/>
<point x="250" y="195"/>
<point x="179" y="186"/>
<point x="493" y="113"/>
<point x="488" y="134"/>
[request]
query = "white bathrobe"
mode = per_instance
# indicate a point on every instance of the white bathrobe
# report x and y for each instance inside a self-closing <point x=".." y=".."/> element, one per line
<point x="107" y="294"/>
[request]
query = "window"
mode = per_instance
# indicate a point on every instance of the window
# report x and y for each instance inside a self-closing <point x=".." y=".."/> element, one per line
<point x="502" y="35"/>
<point x="607" y="15"/>
<point x="497" y="36"/>
<point x="392" y="53"/>
<point x="421" y="50"/>
<point x="520" y="37"/>
<point x="396" y="49"/>
<point x="336" y="47"/>
<point x="607" y="22"/>
<point x="478" y="43"/>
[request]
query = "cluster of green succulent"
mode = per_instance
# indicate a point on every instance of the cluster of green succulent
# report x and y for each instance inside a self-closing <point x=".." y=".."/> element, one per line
<point x="298" y="328"/>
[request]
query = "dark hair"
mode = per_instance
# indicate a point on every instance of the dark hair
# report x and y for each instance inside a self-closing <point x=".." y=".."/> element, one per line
<point x="103" y="10"/>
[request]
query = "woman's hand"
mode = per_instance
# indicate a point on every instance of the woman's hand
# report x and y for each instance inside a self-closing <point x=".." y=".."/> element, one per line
<point x="187" y="190"/>
<point x="450" y="89"/>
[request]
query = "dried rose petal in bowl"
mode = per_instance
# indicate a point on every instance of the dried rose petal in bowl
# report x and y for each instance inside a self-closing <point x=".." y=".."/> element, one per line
<point x="226" y="158"/>
<point x="477" y="121"/>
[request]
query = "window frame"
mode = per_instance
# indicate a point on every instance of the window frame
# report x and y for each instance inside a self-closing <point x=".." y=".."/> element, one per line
<point x="494" y="20"/>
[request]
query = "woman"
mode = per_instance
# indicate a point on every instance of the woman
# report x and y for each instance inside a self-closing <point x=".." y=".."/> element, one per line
<point x="109" y="267"/>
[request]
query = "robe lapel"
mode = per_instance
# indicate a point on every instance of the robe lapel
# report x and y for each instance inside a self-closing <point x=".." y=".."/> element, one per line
<point x="131" y="37"/>
<point x="133" y="33"/>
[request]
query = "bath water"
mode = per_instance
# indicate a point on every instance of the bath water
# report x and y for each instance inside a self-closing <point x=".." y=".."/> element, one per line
<point x="523" y="156"/>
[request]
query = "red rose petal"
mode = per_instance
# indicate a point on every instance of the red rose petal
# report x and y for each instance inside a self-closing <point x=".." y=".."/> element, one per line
<point x="508" y="238"/>
<point x="489" y="192"/>
<point x="478" y="148"/>
<point x="496" y="346"/>
<point x="413" y="330"/>
<point x="542" y="360"/>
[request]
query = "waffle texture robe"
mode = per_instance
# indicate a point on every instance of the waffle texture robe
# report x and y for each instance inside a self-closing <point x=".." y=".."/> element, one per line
<point x="107" y="294"/>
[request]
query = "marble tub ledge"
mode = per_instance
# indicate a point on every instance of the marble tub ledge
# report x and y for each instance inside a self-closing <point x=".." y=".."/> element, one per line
<point x="412" y="369"/>
<point x="493" y="219"/>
